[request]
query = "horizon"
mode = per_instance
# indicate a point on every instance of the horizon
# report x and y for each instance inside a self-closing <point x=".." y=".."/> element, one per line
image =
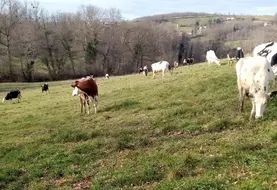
<point x="143" y="8"/>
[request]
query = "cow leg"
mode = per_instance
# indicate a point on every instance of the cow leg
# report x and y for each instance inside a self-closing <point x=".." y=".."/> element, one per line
<point x="95" y="104"/>
<point x="19" y="98"/>
<point x="153" y="74"/>
<point x="241" y="98"/>
<point x="81" y="103"/>
<point x="87" y="104"/>
<point x="252" y="111"/>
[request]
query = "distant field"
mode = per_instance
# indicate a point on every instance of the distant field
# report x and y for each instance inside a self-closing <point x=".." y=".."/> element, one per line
<point x="179" y="132"/>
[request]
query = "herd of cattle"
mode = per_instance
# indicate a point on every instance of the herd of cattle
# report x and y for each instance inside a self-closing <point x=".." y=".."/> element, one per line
<point x="254" y="74"/>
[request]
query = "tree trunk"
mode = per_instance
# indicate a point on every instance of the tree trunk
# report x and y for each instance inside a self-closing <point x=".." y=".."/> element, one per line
<point x="9" y="56"/>
<point x="72" y="62"/>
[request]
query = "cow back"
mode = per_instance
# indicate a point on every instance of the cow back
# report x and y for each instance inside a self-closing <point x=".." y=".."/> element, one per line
<point x="88" y="86"/>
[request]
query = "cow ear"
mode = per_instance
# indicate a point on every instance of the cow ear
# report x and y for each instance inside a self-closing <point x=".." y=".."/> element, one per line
<point x="74" y="84"/>
<point x="272" y="95"/>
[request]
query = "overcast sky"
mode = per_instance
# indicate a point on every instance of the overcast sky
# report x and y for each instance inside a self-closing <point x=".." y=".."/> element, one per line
<point x="131" y="9"/>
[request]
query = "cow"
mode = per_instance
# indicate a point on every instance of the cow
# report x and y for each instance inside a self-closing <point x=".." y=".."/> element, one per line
<point x="107" y="76"/>
<point x="12" y="95"/>
<point x="254" y="75"/>
<point x="145" y="70"/>
<point x="211" y="57"/>
<point x="160" y="66"/>
<point x="235" y="54"/>
<point x="87" y="89"/>
<point x="268" y="50"/>
<point x="45" y="88"/>
<point x="175" y="65"/>
<point x="188" y="61"/>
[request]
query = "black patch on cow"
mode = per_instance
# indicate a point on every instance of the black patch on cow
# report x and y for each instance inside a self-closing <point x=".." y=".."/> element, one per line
<point x="274" y="60"/>
<point x="272" y="94"/>
<point x="264" y="52"/>
<point x="268" y="70"/>
<point x="264" y="88"/>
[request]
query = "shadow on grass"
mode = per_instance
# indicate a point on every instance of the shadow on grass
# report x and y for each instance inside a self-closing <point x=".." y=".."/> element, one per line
<point x="127" y="104"/>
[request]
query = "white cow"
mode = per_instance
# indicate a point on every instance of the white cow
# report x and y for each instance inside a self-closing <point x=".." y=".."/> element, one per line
<point x="268" y="50"/>
<point x="211" y="57"/>
<point x="253" y="77"/>
<point x="160" y="66"/>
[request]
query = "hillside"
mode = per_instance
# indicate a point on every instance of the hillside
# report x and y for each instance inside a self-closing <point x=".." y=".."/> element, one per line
<point x="180" y="132"/>
<point x="186" y="21"/>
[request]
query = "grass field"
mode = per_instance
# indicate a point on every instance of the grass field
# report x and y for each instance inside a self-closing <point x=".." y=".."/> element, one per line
<point x="179" y="132"/>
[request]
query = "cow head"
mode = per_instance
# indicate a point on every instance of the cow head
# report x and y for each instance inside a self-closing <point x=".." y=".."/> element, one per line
<point x="76" y="90"/>
<point x="259" y="101"/>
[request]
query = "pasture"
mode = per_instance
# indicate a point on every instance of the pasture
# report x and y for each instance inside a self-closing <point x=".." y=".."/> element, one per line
<point x="182" y="131"/>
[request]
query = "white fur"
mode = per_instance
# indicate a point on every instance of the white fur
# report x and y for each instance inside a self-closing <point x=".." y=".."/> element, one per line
<point x="75" y="91"/>
<point x="253" y="76"/>
<point x="211" y="57"/>
<point x="160" y="66"/>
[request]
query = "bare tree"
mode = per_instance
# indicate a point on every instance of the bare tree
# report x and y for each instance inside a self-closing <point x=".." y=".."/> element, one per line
<point x="8" y="21"/>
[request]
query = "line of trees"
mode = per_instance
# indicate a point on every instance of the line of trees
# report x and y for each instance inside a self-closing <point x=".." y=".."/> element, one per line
<point x="36" y="46"/>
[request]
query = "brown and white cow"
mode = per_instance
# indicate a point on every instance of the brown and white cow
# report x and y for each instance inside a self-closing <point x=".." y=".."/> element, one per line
<point x="87" y="89"/>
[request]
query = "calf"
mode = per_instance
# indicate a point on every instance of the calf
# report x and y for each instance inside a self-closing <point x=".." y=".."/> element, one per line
<point x="87" y="89"/>
<point x="45" y="88"/>
<point x="160" y="66"/>
<point x="211" y="57"/>
<point x="12" y="95"/>
<point x="253" y="77"/>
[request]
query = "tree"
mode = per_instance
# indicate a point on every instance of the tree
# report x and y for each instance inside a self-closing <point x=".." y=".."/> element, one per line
<point x="8" y="21"/>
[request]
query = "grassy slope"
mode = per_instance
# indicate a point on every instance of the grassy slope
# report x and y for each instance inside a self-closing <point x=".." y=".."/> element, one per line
<point x="180" y="132"/>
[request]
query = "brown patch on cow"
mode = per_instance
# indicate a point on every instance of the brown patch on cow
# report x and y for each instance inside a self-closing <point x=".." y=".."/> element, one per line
<point x="87" y="85"/>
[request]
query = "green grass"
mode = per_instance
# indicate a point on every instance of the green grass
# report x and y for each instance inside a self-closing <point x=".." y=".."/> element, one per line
<point x="180" y="132"/>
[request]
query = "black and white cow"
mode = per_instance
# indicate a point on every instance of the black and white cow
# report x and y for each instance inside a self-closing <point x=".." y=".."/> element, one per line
<point x="235" y="54"/>
<point x="188" y="61"/>
<point x="45" y="88"/>
<point x="145" y="70"/>
<point x="12" y="95"/>
<point x="268" y="50"/>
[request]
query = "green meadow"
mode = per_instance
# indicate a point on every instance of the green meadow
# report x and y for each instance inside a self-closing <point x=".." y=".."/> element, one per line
<point x="182" y="131"/>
